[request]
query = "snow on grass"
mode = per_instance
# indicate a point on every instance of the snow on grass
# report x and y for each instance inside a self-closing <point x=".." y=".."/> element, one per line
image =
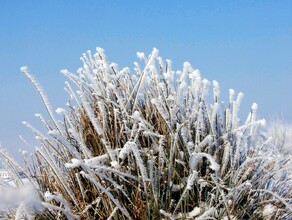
<point x="148" y="145"/>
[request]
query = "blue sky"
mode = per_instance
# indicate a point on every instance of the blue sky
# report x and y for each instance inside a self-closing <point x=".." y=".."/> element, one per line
<point x="245" y="45"/>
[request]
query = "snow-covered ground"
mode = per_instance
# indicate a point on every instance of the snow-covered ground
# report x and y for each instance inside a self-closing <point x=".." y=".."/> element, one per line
<point x="11" y="195"/>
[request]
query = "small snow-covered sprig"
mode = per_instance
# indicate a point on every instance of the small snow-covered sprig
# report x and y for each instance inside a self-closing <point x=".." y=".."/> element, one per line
<point x="44" y="98"/>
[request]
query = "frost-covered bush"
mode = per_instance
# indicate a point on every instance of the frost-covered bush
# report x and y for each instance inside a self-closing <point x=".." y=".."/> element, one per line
<point x="148" y="145"/>
<point x="281" y="133"/>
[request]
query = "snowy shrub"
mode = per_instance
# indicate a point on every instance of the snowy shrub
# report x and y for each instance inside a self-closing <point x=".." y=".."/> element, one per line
<point x="148" y="145"/>
<point x="281" y="133"/>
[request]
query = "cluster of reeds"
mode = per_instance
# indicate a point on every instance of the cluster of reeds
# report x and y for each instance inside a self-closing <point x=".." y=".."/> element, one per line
<point x="148" y="145"/>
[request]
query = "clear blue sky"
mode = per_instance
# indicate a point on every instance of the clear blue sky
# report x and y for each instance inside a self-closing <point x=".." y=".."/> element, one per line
<point x="245" y="45"/>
